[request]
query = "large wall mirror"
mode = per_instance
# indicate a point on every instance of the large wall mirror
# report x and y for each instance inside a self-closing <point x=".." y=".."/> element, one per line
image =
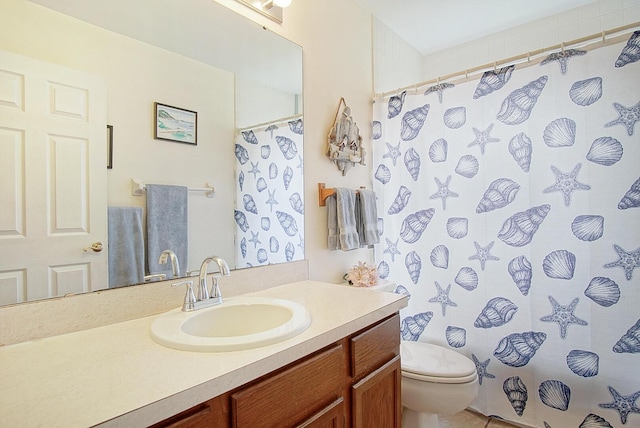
<point x="243" y="81"/>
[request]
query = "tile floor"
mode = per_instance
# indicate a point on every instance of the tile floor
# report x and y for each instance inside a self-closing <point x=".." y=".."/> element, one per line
<point x="469" y="419"/>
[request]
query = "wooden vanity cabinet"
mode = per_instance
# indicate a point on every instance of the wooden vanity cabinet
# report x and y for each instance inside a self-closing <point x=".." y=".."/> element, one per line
<point x="211" y="413"/>
<point x="376" y="376"/>
<point x="354" y="383"/>
<point x="293" y="396"/>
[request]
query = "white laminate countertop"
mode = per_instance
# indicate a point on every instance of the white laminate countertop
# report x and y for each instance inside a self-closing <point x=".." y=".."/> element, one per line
<point x="118" y="376"/>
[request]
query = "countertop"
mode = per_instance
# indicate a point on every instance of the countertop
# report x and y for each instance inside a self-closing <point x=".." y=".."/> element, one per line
<point x="118" y="376"/>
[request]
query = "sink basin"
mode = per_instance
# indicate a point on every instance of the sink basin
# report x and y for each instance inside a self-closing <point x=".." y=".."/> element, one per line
<point x="238" y="323"/>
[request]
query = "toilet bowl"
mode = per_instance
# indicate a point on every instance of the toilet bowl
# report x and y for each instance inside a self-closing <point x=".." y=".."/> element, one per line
<point x="435" y="380"/>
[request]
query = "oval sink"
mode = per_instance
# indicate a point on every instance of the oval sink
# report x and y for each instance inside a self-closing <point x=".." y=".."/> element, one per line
<point x="238" y="323"/>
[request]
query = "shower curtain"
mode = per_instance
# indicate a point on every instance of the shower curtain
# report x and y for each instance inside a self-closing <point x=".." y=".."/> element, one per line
<point x="269" y="211"/>
<point x="510" y="216"/>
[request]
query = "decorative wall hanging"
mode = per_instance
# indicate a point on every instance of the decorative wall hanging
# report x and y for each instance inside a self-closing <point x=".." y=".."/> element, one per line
<point x="175" y="124"/>
<point x="345" y="143"/>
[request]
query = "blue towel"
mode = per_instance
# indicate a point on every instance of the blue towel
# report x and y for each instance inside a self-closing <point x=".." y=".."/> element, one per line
<point x="333" y="240"/>
<point x="367" y="218"/>
<point x="346" y="214"/>
<point x="126" y="246"/>
<point x="167" y="226"/>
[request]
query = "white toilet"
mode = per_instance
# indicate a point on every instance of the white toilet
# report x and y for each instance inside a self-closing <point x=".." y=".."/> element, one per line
<point x="435" y="380"/>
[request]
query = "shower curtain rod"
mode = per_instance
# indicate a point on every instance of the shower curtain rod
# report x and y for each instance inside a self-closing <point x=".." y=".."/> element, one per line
<point x="271" y="122"/>
<point x="518" y="59"/>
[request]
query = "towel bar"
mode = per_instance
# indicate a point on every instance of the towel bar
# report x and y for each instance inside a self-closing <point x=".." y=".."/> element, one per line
<point x="138" y="188"/>
<point x="324" y="192"/>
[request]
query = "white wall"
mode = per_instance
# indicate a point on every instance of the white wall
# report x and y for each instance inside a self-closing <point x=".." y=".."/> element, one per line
<point x="138" y="75"/>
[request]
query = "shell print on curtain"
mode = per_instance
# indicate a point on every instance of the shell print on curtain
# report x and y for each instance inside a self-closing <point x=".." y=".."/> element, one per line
<point x="269" y="207"/>
<point x="511" y="217"/>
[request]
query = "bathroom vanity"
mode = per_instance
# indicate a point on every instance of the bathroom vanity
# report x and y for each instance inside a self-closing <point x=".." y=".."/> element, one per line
<point x="343" y="370"/>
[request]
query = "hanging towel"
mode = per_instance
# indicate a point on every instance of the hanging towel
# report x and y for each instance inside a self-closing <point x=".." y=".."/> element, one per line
<point x="332" y="223"/>
<point x="167" y="226"/>
<point x="367" y="218"/>
<point x="345" y="213"/>
<point x="126" y="246"/>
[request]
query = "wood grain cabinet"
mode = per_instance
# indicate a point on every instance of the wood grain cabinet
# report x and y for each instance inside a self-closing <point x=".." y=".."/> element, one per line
<point x="354" y="383"/>
<point x="376" y="376"/>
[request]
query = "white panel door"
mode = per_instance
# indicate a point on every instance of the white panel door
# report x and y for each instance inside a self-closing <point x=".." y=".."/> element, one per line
<point x="52" y="180"/>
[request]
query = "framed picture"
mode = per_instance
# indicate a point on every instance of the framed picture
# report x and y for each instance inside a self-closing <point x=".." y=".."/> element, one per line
<point x="109" y="146"/>
<point x="176" y="124"/>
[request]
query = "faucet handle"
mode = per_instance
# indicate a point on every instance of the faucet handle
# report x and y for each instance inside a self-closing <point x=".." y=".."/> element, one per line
<point x="215" y="289"/>
<point x="189" y="297"/>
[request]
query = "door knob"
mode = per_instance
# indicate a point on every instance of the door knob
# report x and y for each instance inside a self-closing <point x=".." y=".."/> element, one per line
<point x="96" y="247"/>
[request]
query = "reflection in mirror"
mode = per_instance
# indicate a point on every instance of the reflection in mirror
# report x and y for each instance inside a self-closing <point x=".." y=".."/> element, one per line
<point x="269" y="177"/>
<point x="204" y="58"/>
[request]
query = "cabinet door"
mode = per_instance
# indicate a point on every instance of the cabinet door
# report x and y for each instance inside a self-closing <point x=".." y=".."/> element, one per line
<point x="330" y="417"/>
<point x="376" y="400"/>
<point x="293" y="395"/>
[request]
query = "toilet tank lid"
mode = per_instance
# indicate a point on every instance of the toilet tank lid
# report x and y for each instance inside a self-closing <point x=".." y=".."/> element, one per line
<point x="432" y="360"/>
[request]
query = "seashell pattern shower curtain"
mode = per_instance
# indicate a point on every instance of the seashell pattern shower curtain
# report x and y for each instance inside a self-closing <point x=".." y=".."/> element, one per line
<point x="269" y="211"/>
<point x="510" y="210"/>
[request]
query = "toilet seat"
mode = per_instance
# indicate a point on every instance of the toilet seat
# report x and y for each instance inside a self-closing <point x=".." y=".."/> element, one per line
<point x="432" y="363"/>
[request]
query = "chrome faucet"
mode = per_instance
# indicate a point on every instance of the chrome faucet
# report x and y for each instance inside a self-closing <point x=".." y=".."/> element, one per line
<point x="175" y="265"/>
<point x="203" y="291"/>
<point x="205" y="298"/>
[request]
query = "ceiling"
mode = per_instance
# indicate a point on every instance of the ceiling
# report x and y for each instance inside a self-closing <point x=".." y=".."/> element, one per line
<point x="427" y="24"/>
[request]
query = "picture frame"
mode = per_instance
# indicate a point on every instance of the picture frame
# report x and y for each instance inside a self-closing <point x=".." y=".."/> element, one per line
<point x="175" y="124"/>
<point x="109" y="146"/>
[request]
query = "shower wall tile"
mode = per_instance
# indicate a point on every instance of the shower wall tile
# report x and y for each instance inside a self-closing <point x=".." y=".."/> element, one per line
<point x="632" y="13"/>
<point x="568" y="32"/>
<point x="590" y="26"/>
<point x="568" y="17"/>
<point x="609" y="6"/>
<point x="589" y="11"/>
<point x="496" y="41"/>
<point x="569" y="25"/>
<point x="613" y="19"/>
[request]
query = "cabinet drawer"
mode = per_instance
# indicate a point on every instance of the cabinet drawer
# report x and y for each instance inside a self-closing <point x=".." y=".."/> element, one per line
<point x="375" y="346"/>
<point x="293" y="395"/>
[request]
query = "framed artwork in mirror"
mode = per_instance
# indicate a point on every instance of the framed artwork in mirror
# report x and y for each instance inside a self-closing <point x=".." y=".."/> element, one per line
<point x="109" y="146"/>
<point x="175" y="124"/>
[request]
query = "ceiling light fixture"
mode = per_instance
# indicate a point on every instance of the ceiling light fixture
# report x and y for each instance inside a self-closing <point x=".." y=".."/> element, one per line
<point x="282" y="3"/>
<point x="269" y="4"/>
<point x="269" y="8"/>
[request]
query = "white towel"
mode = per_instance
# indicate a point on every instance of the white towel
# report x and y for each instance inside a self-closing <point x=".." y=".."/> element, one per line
<point x="345" y="211"/>
<point x="367" y="218"/>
